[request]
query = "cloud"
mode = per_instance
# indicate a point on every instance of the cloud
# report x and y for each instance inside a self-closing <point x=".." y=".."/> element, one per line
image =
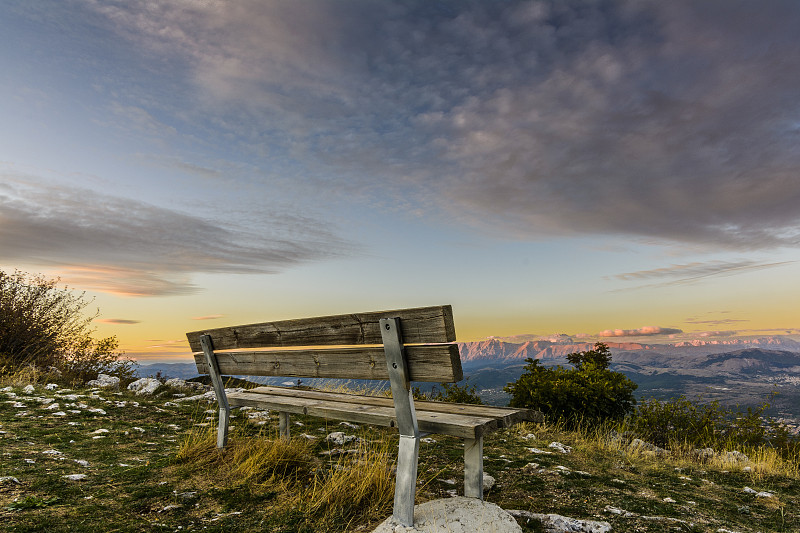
<point x="694" y="272"/>
<point x="132" y="248"/>
<point x="209" y="317"/>
<point x="121" y="321"/>
<point x="717" y="333"/>
<point x="645" y="331"/>
<point x="664" y="121"/>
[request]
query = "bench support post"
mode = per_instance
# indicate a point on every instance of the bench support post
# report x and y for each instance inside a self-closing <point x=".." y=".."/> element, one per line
<point x="473" y="468"/>
<point x="283" y="425"/>
<point x="408" y="451"/>
<point x="219" y="390"/>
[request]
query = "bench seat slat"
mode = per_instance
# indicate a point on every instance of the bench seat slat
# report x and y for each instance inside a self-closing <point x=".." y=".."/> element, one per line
<point x="463" y="426"/>
<point x="420" y="325"/>
<point x="430" y="363"/>
<point x="505" y="416"/>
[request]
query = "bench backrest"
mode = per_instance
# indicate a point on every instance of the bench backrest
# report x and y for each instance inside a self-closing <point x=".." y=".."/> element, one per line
<point x="337" y="347"/>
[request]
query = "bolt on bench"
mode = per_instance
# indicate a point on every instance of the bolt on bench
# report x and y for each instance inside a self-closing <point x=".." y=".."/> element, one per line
<point x="402" y="346"/>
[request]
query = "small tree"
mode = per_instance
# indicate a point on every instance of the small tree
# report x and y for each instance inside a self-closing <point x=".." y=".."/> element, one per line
<point x="588" y="392"/>
<point x="44" y="326"/>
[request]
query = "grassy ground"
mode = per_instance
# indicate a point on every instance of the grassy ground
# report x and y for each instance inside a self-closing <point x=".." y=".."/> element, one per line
<point x="150" y="465"/>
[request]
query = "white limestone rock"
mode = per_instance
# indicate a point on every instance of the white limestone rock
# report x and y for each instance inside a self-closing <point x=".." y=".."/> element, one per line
<point x="104" y="381"/>
<point x="563" y="448"/>
<point x="145" y="386"/>
<point x="339" y="438"/>
<point x="177" y="383"/>
<point x="455" y="515"/>
<point x="554" y="523"/>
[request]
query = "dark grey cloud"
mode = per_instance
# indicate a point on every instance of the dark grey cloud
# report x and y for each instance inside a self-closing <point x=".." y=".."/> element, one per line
<point x="663" y="121"/>
<point x="128" y="247"/>
<point x="694" y="272"/>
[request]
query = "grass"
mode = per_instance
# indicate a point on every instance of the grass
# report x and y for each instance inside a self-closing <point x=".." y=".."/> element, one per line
<point x="151" y="465"/>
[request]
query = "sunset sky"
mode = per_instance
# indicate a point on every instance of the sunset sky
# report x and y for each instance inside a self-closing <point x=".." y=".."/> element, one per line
<point x="626" y="169"/>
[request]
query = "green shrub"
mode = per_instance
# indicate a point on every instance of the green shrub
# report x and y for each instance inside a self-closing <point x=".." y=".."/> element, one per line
<point x="450" y="392"/>
<point x="43" y="326"/>
<point x="681" y="421"/>
<point x="587" y="393"/>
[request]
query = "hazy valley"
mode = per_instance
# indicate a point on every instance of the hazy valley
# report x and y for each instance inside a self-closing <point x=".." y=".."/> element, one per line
<point x="740" y="371"/>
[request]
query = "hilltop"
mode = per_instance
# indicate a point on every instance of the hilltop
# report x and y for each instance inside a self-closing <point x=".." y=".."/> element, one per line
<point x="101" y="460"/>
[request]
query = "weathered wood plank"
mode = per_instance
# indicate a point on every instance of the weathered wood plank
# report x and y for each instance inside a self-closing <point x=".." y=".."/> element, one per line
<point x="429" y="421"/>
<point x="432" y="363"/>
<point x="505" y="416"/>
<point x="420" y="325"/>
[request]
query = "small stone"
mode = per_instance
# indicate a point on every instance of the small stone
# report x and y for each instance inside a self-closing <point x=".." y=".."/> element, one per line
<point x="28" y="389"/>
<point x="530" y="468"/>
<point x="339" y="438"/>
<point x="9" y="480"/>
<point x="560" y="447"/>
<point x="75" y="477"/>
<point x="668" y="500"/>
<point x="538" y="451"/>
<point x="51" y="386"/>
<point x="52" y="452"/>
<point x="554" y="523"/>
<point x="488" y="482"/>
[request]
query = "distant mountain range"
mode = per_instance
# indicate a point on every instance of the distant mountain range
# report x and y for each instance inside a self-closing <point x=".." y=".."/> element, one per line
<point x="502" y="350"/>
<point x="736" y="371"/>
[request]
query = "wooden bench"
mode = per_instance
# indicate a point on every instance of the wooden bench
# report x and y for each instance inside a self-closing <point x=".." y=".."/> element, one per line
<point x="401" y="346"/>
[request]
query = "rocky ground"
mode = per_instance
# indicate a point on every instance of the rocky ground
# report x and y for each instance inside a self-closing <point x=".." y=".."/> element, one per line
<point x="101" y="459"/>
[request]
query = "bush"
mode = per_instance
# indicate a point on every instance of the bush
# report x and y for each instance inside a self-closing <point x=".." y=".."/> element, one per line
<point x="43" y="326"/>
<point x="450" y="392"/>
<point x="679" y="421"/>
<point x="587" y="393"/>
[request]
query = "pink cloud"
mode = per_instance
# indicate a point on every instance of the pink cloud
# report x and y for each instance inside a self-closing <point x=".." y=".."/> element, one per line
<point x="643" y="331"/>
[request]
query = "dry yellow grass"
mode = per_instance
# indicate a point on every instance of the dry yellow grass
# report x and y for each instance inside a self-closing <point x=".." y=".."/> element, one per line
<point x="252" y="460"/>
<point x="356" y="484"/>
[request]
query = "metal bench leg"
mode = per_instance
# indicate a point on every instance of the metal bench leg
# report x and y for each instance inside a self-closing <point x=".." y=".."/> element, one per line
<point x="219" y="390"/>
<point x="406" y="482"/>
<point x="405" y="487"/>
<point x="473" y="468"/>
<point x="222" y="426"/>
<point x="283" y="425"/>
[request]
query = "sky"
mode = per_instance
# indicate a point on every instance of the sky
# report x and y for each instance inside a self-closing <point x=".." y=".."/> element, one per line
<point x="603" y="169"/>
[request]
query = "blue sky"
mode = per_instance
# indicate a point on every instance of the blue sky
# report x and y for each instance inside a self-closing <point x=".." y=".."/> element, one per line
<point x="574" y="167"/>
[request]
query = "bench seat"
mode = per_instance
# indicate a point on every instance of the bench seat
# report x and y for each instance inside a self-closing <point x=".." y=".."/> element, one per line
<point x="458" y="420"/>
